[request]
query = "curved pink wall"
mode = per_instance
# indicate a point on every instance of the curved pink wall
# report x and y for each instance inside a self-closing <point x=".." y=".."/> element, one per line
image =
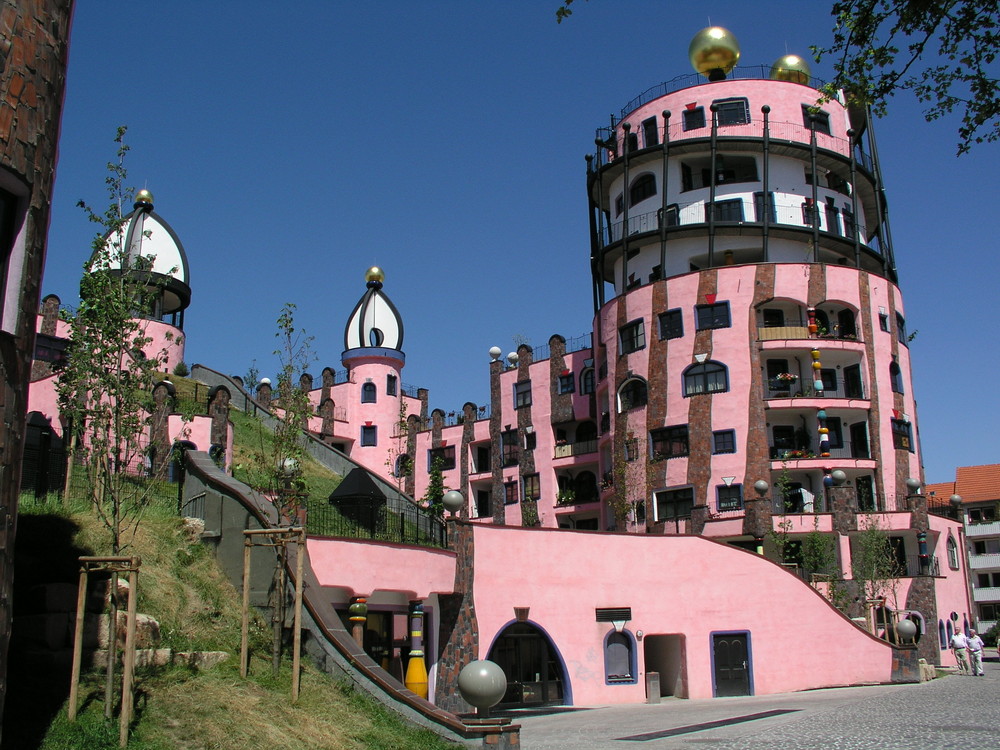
<point x="663" y="580"/>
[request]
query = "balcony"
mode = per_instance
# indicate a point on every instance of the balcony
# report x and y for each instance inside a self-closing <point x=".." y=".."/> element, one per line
<point x="984" y="562"/>
<point x="578" y="448"/>
<point x="989" y="594"/>
<point x="775" y="389"/>
<point x="978" y="530"/>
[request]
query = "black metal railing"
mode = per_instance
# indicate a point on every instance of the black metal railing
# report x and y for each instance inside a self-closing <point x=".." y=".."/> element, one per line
<point x="367" y="520"/>
<point x="576" y="344"/>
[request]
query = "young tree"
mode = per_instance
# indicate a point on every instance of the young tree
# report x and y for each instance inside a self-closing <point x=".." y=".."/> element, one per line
<point x="276" y="461"/>
<point x="433" y="497"/>
<point x="105" y="387"/>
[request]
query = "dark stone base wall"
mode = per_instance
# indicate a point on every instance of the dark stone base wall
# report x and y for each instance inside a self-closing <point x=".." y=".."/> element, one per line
<point x="459" y="634"/>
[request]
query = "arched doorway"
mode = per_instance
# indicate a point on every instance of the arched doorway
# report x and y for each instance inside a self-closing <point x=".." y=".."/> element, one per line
<point x="532" y="665"/>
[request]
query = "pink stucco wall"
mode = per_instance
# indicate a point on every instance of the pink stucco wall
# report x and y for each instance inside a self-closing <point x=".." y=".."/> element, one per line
<point x="674" y="585"/>
<point x="362" y="568"/>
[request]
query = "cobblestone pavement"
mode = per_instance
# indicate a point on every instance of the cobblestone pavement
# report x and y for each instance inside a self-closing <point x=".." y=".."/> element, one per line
<point x="949" y="713"/>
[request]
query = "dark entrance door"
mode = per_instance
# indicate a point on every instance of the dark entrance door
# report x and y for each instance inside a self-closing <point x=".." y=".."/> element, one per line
<point x="732" y="664"/>
<point x="534" y="675"/>
<point x="852" y="382"/>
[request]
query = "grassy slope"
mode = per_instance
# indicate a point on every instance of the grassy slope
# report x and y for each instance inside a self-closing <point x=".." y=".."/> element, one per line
<point x="181" y="585"/>
<point x="198" y="609"/>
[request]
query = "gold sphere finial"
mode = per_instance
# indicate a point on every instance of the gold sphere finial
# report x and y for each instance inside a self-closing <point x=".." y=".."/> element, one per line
<point x="791" y="68"/>
<point x="144" y="196"/>
<point x="375" y="274"/>
<point x="714" y="51"/>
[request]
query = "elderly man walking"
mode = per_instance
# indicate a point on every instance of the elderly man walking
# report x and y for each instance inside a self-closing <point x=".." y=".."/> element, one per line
<point x="960" y="647"/>
<point x="976" y="653"/>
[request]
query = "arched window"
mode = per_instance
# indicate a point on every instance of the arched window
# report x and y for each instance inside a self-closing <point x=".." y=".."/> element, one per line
<point x="619" y="658"/>
<point x="643" y="186"/>
<point x="941" y="637"/>
<point x="390" y="385"/>
<point x="708" y="377"/>
<point x="368" y="393"/>
<point x="896" y="377"/>
<point x="952" y="553"/>
<point x="587" y="381"/>
<point x="632" y="394"/>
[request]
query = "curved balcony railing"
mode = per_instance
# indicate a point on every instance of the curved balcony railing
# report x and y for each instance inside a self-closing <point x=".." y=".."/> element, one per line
<point x="787" y="214"/>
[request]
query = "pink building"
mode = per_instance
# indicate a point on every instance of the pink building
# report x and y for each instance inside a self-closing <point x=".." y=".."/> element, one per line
<point x="747" y="380"/>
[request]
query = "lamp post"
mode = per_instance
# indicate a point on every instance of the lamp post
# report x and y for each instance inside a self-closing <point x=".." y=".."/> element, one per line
<point x="761" y="486"/>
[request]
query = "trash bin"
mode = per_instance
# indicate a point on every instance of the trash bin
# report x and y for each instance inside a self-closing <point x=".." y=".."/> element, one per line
<point x="652" y="687"/>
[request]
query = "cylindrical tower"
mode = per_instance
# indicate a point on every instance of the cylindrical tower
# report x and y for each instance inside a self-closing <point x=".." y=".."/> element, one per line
<point x="373" y="355"/>
<point x="149" y="251"/>
<point x="748" y="322"/>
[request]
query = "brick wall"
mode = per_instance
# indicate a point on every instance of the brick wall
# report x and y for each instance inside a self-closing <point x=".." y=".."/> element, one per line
<point x="34" y="37"/>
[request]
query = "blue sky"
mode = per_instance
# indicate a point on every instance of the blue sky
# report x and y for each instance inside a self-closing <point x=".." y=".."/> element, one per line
<point x="291" y="146"/>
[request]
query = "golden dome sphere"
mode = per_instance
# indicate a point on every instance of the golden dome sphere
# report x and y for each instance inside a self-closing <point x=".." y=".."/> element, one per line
<point x="791" y="68"/>
<point x="375" y="274"/>
<point x="144" y="196"/>
<point x="714" y="48"/>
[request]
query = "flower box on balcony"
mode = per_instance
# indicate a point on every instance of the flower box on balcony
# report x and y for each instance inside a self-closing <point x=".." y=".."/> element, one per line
<point x="562" y="451"/>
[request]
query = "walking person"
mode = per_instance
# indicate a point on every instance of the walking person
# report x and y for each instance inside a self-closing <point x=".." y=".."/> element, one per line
<point x="960" y="647"/>
<point x="976" y="646"/>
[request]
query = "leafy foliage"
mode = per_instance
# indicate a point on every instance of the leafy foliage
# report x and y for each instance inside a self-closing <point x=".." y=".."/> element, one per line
<point x="434" y="496"/>
<point x="873" y="561"/>
<point x="942" y="50"/>
<point x="104" y="388"/>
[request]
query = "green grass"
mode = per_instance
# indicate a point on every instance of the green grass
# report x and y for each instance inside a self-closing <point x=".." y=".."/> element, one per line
<point x="198" y="609"/>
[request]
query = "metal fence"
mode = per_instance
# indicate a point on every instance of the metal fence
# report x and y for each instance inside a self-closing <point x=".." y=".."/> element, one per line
<point x="368" y="520"/>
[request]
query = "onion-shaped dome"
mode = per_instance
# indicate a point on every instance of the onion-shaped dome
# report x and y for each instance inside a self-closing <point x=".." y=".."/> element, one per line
<point x="375" y="322"/>
<point x="150" y="249"/>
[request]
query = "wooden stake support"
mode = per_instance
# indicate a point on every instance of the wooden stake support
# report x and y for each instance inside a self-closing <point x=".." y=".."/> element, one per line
<point x="274" y="538"/>
<point x="113" y="565"/>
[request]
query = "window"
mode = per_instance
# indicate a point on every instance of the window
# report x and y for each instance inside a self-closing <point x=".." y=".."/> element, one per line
<point x="773" y="317"/>
<point x="632" y="336"/>
<point x="729" y="210"/>
<point x="902" y="435"/>
<point x="619" y="659"/>
<point x="510" y="492"/>
<point x="836" y="432"/>
<point x="831" y="213"/>
<point x="816" y="119"/>
<point x="368" y="393"/>
<point x="644" y="186"/>
<point x="729" y="498"/>
<point x="712" y="316"/>
<point x="982" y="515"/>
<point x="567" y="383"/>
<point x="724" y="441"/>
<point x="849" y="227"/>
<point x="673" y="504"/>
<point x="619" y="205"/>
<point x="693" y="118"/>
<point x="671" y="324"/>
<point x="587" y="381"/>
<point x="896" y="377"/>
<point x="828" y="376"/>
<point x="522" y="394"/>
<point x="530" y="441"/>
<point x="650" y="133"/>
<point x="988" y="580"/>
<point x="632" y="394"/>
<point x="509" y="446"/>
<point x="729" y="169"/>
<point x="731" y="111"/>
<point x="52" y="349"/>
<point x="484" y="457"/>
<point x="810" y="216"/>
<point x="390" y="385"/>
<point x="532" y="487"/>
<point x="759" y="208"/>
<point x="483" y="503"/>
<point x="883" y="322"/>
<point x="668" y="218"/>
<point x="631" y="449"/>
<point x="669" y="442"/>
<point x="369" y="435"/>
<point x="901" y="330"/>
<point x="404" y="465"/>
<point x="709" y="377"/>
<point x="445" y="456"/>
